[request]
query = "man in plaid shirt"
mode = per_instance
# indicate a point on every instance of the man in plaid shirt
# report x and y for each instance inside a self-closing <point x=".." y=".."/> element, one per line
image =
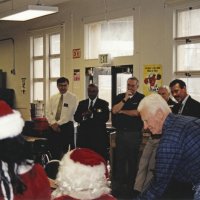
<point x="178" y="154"/>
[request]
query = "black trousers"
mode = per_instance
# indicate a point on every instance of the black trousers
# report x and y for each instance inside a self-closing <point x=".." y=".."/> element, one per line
<point x="125" y="159"/>
<point x="59" y="142"/>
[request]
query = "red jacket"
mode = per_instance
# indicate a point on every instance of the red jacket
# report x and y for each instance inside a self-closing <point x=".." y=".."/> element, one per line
<point x="37" y="184"/>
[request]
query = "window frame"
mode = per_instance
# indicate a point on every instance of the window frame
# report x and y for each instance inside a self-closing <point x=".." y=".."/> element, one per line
<point x="46" y="80"/>
<point x="184" y="40"/>
<point x="186" y="74"/>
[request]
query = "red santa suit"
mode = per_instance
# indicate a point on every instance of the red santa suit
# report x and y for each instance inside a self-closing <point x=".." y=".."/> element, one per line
<point x="82" y="175"/>
<point x="36" y="181"/>
<point x="12" y="173"/>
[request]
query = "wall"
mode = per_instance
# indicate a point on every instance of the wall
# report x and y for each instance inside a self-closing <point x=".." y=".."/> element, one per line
<point x="153" y="41"/>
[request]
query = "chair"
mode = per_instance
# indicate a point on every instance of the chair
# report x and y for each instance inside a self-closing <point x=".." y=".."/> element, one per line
<point x="51" y="169"/>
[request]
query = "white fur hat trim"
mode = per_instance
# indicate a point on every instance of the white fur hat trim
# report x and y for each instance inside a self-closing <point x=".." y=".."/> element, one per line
<point x="80" y="181"/>
<point x="11" y="125"/>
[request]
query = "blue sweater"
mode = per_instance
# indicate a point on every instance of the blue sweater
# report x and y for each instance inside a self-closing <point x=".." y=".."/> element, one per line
<point x="178" y="155"/>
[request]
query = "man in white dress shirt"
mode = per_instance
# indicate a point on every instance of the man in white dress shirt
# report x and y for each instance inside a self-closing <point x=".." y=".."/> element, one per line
<point x="60" y="112"/>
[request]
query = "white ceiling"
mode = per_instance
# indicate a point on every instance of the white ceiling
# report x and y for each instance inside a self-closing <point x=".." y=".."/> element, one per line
<point x="6" y="5"/>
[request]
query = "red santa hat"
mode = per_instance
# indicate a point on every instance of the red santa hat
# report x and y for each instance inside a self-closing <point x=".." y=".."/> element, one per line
<point x="11" y="123"/>
<point x="82" y="175"/>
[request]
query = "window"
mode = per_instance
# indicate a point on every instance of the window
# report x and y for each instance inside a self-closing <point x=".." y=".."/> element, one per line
<point x="114" y="37"/>
<point x="122" y="82"/>
<point x="45" y="54"/>
<point x="187" y="48"/>
<point x="104" y="83"/>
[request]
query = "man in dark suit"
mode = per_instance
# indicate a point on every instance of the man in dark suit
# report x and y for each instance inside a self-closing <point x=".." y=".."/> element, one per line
<point x="92" y="115"/>
<point x="186" y="104"/>
<point x="189" y="107"/>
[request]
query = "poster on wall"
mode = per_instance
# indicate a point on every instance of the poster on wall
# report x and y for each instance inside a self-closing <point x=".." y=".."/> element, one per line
<point x="76" y="74"/>
<point x="89" y="73"/>
<point x="152" y="78"/>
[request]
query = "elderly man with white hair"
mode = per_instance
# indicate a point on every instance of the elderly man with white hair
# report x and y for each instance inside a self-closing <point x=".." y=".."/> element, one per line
<point x="178" y="154"/>
<point x="147" y="161"/>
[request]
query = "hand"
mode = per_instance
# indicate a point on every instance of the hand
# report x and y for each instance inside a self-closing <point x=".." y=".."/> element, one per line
<point x="55" y="127"/>
<point x="120" y="112"/>
<point x="127" y="95"/>
<point x="87" y="114"/>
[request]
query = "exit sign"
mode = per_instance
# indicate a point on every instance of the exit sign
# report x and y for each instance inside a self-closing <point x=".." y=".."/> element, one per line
<point x="104" y="58"/>
<point x="76" y="53"/>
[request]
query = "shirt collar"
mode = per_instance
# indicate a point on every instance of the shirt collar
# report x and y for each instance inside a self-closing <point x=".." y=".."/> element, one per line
<point x="184" y="101"/>
<point x="94" y="100"/>
<point x="132" y="95"/>
<point x="63" y="94"/>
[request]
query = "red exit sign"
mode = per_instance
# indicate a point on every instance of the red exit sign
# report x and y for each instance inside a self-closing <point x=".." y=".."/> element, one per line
<point x="76" y="53"/>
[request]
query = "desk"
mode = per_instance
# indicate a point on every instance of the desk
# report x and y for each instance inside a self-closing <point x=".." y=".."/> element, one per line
<point x="38" y="149"/>
<point x="36" y="128"/>
<point x="32" y="138"/>
<point x="41" y="125"/>
<point x="41" y="157"/>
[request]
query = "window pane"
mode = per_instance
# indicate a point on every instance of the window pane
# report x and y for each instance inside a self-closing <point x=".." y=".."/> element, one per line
<point x="188" y="57"/>
<point x="54" y="67"/>
<point x="193" y="87"/>
<point x="108" y="37"/>
<point x="55" y="44"/>
<point x="38" y="91"/>
<point x="38" y="46"/>
<point x="116" y="41"/>
<point x="104" y="84"/>
<point x="188" y="22"/>
<point x="53" y="88"/>
<point x="38" y="69"/>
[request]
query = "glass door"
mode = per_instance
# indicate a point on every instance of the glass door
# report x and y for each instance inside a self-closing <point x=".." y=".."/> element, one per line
<point x="110" y="80"/>
<point x="120" y="74"/>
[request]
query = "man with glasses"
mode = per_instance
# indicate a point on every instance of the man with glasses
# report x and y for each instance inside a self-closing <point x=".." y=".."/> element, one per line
<point x="60" y="113"/>
<point x="128" y="124"/>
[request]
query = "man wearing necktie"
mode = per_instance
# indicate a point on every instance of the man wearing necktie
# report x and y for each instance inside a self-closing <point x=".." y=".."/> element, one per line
<point x="92" y="115"/>
<point x="60" y="112"/>
<point x="190" y="107"/>
<point x="186" y="104"/>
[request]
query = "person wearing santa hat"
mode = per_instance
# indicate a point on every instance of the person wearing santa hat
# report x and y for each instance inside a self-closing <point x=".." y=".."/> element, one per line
<point x="20" y="178"/>
<point x="82" y="175"/>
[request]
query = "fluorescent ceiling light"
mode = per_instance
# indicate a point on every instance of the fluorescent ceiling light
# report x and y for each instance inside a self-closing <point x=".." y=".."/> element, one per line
<point x="29" y="12"/>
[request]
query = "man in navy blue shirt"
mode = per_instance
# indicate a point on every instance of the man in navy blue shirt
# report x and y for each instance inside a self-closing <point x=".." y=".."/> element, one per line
<point x="129" y="125"/>
<point x="178" y="154"/>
